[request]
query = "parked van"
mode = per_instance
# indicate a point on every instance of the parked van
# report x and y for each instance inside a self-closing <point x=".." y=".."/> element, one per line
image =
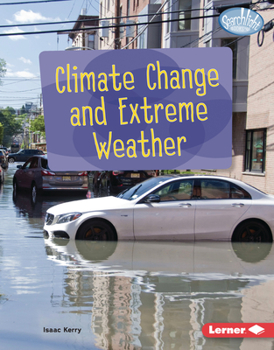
<point x="14" y="148"/>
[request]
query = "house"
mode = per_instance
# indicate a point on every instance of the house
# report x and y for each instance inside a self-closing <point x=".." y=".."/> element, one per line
<point x="83" y="38"/>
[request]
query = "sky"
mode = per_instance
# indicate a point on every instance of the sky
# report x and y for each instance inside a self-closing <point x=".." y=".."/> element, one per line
<point x="21" y="83"/>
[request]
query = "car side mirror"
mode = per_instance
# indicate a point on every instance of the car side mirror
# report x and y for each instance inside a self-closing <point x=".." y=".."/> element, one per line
<point x="19" y="166"/>
<point x="152" y="198"/>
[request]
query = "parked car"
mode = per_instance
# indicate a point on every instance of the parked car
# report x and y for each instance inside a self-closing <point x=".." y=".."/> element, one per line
<point x="23" y="155"/>
<point x="120" y="180"/>
<point x="3" y="159"/>
<point x="36" y="176"/>
<point x="1" y="174"/>
<point x="171" y="208"/>
<point x="2" y="148"/>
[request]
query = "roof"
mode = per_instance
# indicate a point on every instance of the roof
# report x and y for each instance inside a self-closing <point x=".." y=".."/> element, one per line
<point x="87" y="21"/>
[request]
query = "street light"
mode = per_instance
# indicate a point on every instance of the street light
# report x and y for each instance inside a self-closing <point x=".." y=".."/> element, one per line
<point x="78" y="48"/>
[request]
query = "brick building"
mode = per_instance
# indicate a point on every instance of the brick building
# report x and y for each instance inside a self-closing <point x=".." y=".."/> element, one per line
<point x="258" y="162"/>
<point x="252" y="140"/>
<point x="82" y="38"/>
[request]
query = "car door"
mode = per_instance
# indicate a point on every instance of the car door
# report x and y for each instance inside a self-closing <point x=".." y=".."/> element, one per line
<point x="34" y="173"/>
<point x="27" y="155"/>
<point x="22" y="175"/>
<point x="172" y="218"/>
<point x="219" y="207"/>
<point x="21" y="156"/>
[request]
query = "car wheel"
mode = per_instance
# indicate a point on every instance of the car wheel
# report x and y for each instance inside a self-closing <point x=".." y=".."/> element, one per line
<point x="95" y="251"/>
<point x="96" y="230"/>
<point x="33" y="193"/>
<point x="252" y="231"/>
<point x="11" y="160"/>
<point x="252" y="253"/>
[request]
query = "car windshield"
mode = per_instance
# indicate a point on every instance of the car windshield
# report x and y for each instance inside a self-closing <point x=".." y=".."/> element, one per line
<point x="141" y="188"/>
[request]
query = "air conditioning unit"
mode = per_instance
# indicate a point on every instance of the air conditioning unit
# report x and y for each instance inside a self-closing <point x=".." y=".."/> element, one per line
<point x="104" y="31"/>
<point x="130" y="29"/>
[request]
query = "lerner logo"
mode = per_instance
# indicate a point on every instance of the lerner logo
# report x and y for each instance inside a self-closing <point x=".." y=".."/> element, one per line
<point x="238" y="330"/>
<point x="256" y="329"/>
<point x="241" y="21"/>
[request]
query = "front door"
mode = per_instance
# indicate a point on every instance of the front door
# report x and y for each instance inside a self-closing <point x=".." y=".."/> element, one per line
<point x="170" y="219"/>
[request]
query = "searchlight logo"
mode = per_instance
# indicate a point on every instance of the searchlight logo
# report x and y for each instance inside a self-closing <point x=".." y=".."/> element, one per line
<point x="241" y="21"/>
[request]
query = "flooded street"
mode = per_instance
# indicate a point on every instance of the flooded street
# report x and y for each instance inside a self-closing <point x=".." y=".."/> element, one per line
<point x="65" y="294"/>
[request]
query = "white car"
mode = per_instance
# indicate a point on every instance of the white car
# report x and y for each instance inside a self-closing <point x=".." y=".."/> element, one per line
<point x="171" y="208"/>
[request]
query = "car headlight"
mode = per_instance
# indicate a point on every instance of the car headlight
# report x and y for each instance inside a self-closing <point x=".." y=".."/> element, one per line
<point x="67" y="217"/>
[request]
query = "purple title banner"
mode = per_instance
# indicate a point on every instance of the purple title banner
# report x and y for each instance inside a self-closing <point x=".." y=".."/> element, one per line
<point x="138" y="109"/>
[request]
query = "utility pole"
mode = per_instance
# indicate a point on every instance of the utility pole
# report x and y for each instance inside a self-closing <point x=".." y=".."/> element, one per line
<point x="117" y="42"/>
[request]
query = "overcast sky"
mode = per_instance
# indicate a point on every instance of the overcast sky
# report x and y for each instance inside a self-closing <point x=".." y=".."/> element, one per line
<point x="21" y="83"/>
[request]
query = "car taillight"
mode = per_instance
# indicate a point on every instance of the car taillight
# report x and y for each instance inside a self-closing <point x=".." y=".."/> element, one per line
<point x="83" y="173"/>
<point x="47" y="173"/>
<point x="151" y="172"/>
<point x="116" y="172"/>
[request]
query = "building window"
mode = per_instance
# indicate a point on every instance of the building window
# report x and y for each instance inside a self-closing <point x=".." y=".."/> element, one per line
<point x="185" y="15"/>
<point x="232" y="43"/>
<point x="255" y="150"/>
<point x="168" y="9"/>
<point x="207" y="43"/>
<point x="91" y="40"/>
<point x="141" y="41"/>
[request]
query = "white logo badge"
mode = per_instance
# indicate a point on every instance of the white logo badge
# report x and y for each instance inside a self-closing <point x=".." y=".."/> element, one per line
<point x="256" y="329"/>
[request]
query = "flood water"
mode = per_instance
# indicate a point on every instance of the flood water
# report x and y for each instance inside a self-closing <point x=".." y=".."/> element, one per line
<point x="123" y="295"/>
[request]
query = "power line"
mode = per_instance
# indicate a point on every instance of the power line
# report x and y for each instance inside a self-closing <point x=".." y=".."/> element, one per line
<point x="201" y="37"/>
<point x="11" y="98"/>
<point x="22" y="91"/>
<point x="65" y="31"/>
<point x="91" y="20"/>
<point x="72" y="8"/>
<point x="108" y="18"/>
<point x="93" y="6"/>
<point x="45" y="23"/>
<point x="20" y="79"/>
<point x="107" y="10"/>
<point x="145" y="28"/>
<point x="29" y="2"/>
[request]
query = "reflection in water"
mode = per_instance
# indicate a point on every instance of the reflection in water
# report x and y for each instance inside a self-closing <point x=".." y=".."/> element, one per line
<point x="123" y="295"/>
<point x="27" y="208"/>
<point x="159" y="295"/>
